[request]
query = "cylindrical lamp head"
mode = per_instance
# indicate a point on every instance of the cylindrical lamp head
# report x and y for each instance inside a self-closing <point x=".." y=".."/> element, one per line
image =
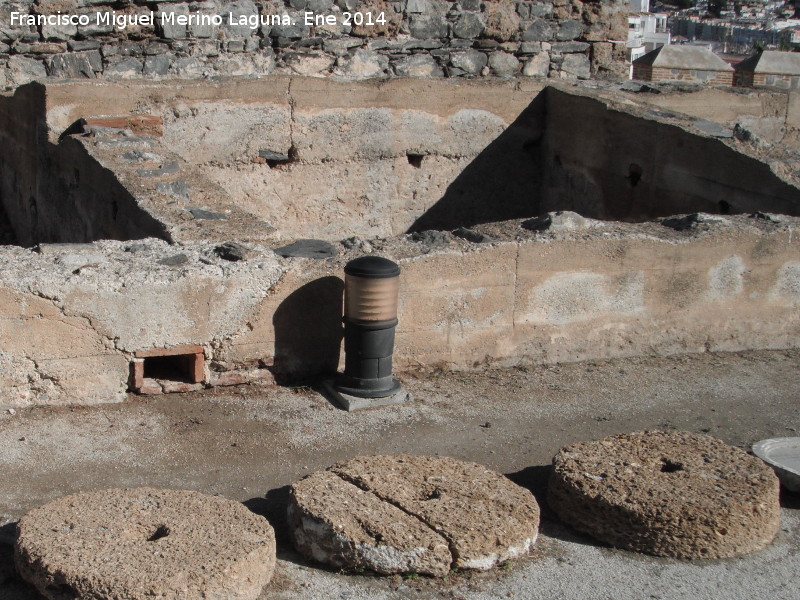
<point x="371" y="286"/>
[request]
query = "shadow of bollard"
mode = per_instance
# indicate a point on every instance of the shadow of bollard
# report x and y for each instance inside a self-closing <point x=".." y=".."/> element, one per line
<point x="308" y="332"/>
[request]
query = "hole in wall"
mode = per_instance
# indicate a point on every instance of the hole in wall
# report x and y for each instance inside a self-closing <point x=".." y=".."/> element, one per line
<point x="179" y="367"/>
<point x="152" y="369"/>
<point x="634" y="174"/>
<point x="415" y="160"/>
<point x="276" y="159"/>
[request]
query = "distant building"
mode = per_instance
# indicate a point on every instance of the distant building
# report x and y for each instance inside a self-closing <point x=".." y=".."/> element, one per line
<point x="683" y="63"/>
<point x="769" y="69"/>
<point x="646" y="31"/>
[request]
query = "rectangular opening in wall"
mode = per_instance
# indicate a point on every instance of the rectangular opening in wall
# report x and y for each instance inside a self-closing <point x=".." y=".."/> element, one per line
<point x="164" y="370"/>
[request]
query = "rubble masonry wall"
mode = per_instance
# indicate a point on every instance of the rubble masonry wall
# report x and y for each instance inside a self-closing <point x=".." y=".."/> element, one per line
<point x="564" y="39"/>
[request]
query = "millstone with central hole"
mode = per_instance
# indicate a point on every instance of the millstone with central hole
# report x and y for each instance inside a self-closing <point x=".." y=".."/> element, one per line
<point x="673" y="494"/>
<point x="145" y="543"/>
<point x="411" y="514"/>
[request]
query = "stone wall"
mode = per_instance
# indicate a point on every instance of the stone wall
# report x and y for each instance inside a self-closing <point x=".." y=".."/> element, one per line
<point x="565" y="39"/>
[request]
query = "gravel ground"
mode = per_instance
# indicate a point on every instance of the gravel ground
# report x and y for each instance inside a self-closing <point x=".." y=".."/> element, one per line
<point x="249" y="443"/>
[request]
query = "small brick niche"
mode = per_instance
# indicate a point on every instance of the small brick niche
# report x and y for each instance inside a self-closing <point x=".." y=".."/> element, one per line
<point x="164" y="370"/>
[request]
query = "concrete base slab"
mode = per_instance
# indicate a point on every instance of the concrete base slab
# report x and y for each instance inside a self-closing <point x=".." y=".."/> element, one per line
<point x="351" y="403"/>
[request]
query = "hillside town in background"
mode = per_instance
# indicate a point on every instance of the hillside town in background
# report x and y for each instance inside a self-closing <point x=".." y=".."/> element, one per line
<point x="729" y="28"/>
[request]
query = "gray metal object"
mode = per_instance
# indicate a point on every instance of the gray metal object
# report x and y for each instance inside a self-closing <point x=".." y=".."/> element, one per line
<point x="783" y="455"/>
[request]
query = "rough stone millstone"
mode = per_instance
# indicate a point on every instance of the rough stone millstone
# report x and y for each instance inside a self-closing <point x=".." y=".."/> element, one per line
<point x="404" y="513"/>
<point x="674" y="494"/>
<point x="145" y="543"/>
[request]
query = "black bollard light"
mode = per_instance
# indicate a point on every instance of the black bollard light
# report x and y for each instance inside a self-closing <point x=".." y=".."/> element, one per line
<point x="371" y="286"/>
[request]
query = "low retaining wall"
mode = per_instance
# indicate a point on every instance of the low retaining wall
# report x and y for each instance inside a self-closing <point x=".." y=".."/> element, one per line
<point x="73" y="318"/>
<point x="82" y="323"/>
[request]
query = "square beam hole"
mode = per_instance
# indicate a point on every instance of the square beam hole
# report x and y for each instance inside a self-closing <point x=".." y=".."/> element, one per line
<point x="177" y="367"/>
<point x="184" y="364"/>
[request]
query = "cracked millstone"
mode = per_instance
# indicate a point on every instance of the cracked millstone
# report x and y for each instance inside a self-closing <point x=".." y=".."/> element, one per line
<point x="411" y="514"/>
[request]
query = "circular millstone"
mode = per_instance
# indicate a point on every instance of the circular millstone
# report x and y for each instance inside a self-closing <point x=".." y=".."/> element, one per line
<point x="145" y="543"/>
<point x="673" y="494"/>
<point x="411" y="514"/>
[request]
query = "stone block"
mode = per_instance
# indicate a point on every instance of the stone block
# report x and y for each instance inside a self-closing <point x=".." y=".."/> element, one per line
<point x="418" y="65"/>
<point x="296" y="30"/>
<point x="538" y="66"/>
<point x="538" y="31"/>
<point x="59" y="33"/>
<point x="503" y="64"/>
<point x="123" y="68"/>
<point x="470" y="61"/>
<point x="569" y="30"/>
<point x="364" y="64"/>
<point x="577" y="65"/>
<point x="570" y="47"/>
<point x="427" y="26"/>
<point x="22" y="70"/>
<point x="171" y="29"/>
<point x="308" y="64"/>
<point x="468" y="26"/>
<point x="157" y="65"/>
<point x="71" y="66"/>
<point x="237" y="9"/>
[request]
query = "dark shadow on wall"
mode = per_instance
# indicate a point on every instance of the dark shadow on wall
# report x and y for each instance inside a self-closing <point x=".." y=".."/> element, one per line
<point x="308" y="332"/>
<point x="503" y="182"/>
<point x="607" y="161"/>
<point x="568" y="151"/>
<point x="59" y="192"/>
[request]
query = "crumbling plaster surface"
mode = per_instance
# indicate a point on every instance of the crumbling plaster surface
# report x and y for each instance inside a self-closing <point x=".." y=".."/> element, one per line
<point x="380" y="158"/>
<point x="73" y="315"/>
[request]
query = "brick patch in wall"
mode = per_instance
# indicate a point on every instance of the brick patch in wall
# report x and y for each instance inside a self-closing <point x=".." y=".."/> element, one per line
<point x="138" y="124"/>
<point x="164" y="370"/>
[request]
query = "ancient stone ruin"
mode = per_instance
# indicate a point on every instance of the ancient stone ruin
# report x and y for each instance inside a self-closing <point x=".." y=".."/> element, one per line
<point x="147" y="216"/>
<point x="182" y="183"/>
